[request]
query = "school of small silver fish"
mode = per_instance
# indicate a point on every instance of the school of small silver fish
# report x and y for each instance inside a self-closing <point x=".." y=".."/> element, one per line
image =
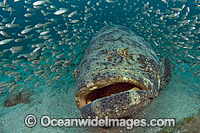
<point x="42" y="42"/>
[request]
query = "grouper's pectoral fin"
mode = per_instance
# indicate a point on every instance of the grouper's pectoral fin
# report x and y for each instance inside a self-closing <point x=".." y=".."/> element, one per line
<point x="165" y="72"/>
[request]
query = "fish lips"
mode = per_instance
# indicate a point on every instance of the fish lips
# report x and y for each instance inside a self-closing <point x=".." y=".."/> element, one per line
<point x="120" y="105"/>
<point x="113" y="93"/>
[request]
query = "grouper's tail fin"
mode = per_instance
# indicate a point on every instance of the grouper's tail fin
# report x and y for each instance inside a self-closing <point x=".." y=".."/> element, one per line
<point x="165" y="72"/>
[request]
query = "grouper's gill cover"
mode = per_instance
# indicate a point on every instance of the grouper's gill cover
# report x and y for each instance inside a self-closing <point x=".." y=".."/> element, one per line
<point x="119" y="74"/>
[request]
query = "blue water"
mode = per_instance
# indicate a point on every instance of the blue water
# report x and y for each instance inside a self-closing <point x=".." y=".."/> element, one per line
<point x="122" y="14"/>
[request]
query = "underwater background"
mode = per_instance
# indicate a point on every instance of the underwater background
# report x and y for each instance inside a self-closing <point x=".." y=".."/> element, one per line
<point x="42" y="43"/>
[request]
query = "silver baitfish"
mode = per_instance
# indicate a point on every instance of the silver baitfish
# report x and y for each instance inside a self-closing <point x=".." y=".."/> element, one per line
<point x="119" y="75"/>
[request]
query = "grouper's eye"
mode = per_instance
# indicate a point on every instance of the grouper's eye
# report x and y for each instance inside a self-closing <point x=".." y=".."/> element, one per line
<point x="108" y="91"/>
<point x="123" y="52"/>
<point x="126" y="53"/>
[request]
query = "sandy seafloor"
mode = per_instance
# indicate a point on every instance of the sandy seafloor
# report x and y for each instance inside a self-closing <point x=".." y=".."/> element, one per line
<point x="180" y="99"/>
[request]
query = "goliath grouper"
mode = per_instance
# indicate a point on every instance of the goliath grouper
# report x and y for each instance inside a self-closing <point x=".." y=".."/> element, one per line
<point x="119" y="75"/>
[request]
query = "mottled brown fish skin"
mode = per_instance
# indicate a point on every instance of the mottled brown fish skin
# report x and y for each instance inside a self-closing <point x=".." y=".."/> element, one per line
<point x="103" y="65"/>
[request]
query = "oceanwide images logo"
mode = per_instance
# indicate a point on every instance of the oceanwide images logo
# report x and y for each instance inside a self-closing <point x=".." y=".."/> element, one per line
<point x="46" y="121"/>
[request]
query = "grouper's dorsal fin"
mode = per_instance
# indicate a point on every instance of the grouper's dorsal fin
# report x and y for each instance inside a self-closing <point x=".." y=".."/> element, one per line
<point x="165" y="72"/>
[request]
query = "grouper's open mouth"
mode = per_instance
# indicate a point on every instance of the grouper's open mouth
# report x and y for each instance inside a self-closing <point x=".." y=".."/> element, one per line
<point x="109" y="88"/>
